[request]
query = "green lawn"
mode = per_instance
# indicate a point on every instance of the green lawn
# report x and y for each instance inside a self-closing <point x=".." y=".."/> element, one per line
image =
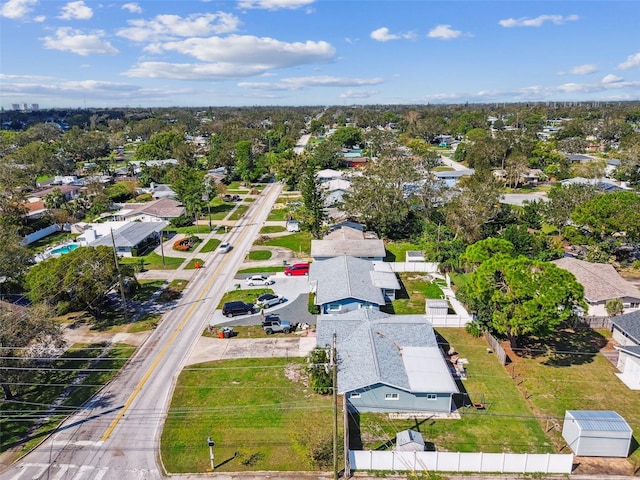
<point x="259" y="255"/>
<point x="193" y="264"/>
<point x="220" y="211"/>
<point x="210" y="246"/>
<point x="248" y="295"/>
<point x="146" y="290"/>
<point x="299" y="243"/>
<point x="262" y="270"/>
<point x="278" y="214"/>
<point x="507" y="424"/>
<point x="272" y="229"/>
<point x="566" y="372"/>
<point x="396" y="251"/>
<point x="17" y="420"/>
<point x="238" y="212"/>
<point x="259" y="412"/>
<point x="153" y="261"/>
<point x="410" y="299"/>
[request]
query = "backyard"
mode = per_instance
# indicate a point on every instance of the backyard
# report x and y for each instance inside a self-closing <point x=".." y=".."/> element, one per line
<point x="411" y="298"/>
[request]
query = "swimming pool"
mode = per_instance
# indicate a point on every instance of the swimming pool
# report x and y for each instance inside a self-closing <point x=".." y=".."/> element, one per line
<point x="65" y="249"/>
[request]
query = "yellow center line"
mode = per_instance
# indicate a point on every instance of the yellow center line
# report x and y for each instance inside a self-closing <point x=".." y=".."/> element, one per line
<point x="164" y="350"/>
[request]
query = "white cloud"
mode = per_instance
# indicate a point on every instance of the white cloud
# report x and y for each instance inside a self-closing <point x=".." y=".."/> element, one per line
<point x="359" y="93"/>
<point x="192" y="71"/>
<point x="263" y="52"/>
<point x="132" y="7"/>
<point x="168" y="26"/>
<point x="444" y="32"/>
<point x="39" y="18"/>
<point x="70" y="40"/>
<point x="17" y="8"/>
<point x="611" y="79"/>
<point x="581" y="70"/>
<point x="537" y="21"/>
<point x="76" y="11"/>
<point x="298" y="83"/>
<point x="274" y="4"/>
<point x="632" y="61"/>
<point x="382" y="34"/>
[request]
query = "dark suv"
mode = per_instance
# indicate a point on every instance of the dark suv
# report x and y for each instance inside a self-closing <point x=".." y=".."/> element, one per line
<point x="230" y="309"/>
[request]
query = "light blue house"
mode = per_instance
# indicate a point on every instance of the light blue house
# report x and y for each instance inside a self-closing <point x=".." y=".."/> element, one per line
<point x="343" y="284"/>
<point x="388" y="363"/>
<point x="450" y="177"/>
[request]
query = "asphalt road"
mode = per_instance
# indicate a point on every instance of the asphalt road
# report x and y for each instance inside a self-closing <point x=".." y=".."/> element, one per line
<point x="115" y="436"/>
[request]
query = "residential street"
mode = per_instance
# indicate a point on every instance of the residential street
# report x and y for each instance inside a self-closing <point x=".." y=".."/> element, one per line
<point x="115" y="436"/>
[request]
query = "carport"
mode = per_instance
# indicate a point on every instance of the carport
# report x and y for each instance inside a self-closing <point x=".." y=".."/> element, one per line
<point x="597" y="433"/>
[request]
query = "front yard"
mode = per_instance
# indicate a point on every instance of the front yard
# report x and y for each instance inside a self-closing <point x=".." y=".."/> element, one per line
<point x="260" y="413"/>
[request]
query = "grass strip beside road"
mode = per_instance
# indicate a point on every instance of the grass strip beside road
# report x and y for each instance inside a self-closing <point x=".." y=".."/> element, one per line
<point x="299" y="243"/>
<point x="259" y="412"/>
<point x="20" y="421"/>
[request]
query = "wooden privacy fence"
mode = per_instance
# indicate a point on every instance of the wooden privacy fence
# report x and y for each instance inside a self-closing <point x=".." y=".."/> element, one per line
<point x="461" y="462"/>
<point x="596" y="322"/>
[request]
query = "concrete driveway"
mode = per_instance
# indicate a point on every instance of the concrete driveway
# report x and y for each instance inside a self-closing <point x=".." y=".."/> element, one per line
<point x="294" y="289"/>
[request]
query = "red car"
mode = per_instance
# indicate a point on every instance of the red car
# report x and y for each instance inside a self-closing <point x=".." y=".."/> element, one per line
<point x="297" y="269"/>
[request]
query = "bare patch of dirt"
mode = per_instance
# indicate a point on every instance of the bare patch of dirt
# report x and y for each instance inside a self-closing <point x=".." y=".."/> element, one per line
<point x="602" y="466"/>
<point x="295" y="373"/>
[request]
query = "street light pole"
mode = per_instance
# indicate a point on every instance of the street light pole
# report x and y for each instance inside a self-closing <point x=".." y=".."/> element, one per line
<point x="211" y="443"/>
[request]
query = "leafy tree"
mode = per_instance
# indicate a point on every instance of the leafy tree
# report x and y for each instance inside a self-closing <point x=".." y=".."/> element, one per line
<point x="614" y="306"/>
<point x="161" y="146"/>
<point x="25" y="335"/>
<point x="519" y="297"/>
<point x="76" y="281"/>
<point x="440" y="245"/>
<point x="483" y="250"/>
<point x="469" y="213"/>
<point x="326" y="154"/>
<point x="15" y="259"/>
<point x="347" y="137"/>
<point x="563" y="199"/>
<point x="188" y="183"/>
<point x="313" y="198"/>
<point x="377" y="197"/>
<point x="604" y="215"/>
<point x="245" y="166"/>
<point x="319" y="371"/>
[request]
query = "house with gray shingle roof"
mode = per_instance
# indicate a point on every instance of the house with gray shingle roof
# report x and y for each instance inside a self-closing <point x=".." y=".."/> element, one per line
<point x="155" y="211"/>
<point x="601" y="282"/>
<point x="626" y="331"/>
<point x="388" y="363"/>
<point x="130" y="238"/>
<point x="343" y="284"/>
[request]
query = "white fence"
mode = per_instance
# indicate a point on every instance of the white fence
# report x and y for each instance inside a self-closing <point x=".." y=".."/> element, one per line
<point x="35" y="236"/>
<point x="461" y="462"/>
<point x="448" y="320"/>
<point x="427" y="267"/>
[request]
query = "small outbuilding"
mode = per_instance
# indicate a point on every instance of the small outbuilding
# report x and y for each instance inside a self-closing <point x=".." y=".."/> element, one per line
<point x="597" y="433"/>
<point x="409" y="441"/>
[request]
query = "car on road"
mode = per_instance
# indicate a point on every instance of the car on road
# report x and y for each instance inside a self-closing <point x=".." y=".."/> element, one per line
<point x="224" y="247"/>
<point x="231" y="309"/>
<point x="269" y="300"/>
<point x="297" y="269"/>
<point x="275" y="325"/>
<point x="259" y="280"/>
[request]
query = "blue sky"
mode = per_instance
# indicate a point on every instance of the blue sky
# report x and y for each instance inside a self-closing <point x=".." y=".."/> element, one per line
<point x="315" y="52"/>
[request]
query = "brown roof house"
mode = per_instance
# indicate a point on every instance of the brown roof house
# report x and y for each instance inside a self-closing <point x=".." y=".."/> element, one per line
<point x="348" y="239"/>
<point x="601" y="282"/>
<point x="155" y="211"/>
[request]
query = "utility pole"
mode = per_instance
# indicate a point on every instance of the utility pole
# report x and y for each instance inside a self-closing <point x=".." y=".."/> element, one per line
<point x="120" y="281"/>
<point x="211" y="444"/>
<point x="162" y="246"/>
<point x="334" y="369"/>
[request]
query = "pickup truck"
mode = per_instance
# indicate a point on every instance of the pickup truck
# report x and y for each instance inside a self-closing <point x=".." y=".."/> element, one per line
<point x="275" y="325"/>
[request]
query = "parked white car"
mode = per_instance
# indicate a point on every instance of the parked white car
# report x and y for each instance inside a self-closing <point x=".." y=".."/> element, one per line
<point x="259" y="280"/>
<point x="269" y="300"/>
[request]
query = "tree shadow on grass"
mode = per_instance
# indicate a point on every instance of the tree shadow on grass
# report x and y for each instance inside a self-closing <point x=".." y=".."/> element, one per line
<point x="565" y="347"/>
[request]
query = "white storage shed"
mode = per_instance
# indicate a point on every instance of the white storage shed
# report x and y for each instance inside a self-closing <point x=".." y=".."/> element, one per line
<point x="409" y="441"/>
<point x="597" y="433"/>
